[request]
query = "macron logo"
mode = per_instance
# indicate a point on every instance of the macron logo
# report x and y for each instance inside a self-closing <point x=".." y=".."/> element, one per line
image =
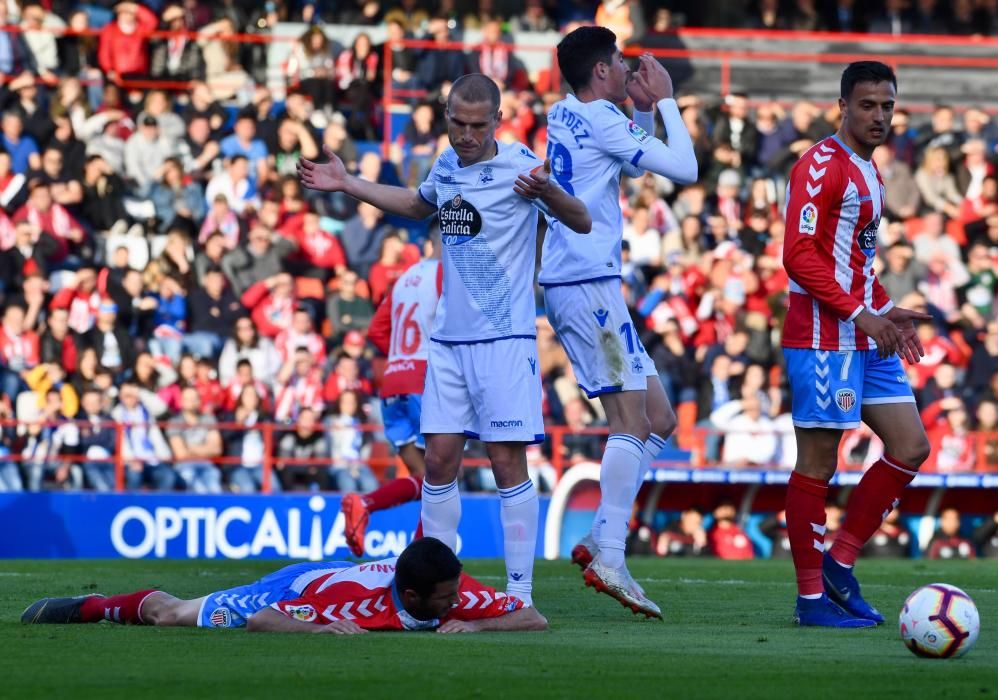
<point x="601" y="316"/>
<point x="507" y="424"/>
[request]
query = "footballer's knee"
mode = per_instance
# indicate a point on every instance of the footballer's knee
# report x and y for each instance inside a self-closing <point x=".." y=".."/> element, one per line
<point x="442" y="461"/>
<point x="912" y="453"/>
<point x="509" y="463"/>
<point x="663" y="423"/>
<point x="632" y="423"/>
<point x="439" y="468"/>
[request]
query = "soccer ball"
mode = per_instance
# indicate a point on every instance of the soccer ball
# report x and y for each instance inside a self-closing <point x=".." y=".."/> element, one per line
<point x="939" y="621"/>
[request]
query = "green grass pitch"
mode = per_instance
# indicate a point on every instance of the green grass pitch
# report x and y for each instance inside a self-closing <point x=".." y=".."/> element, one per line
<point x="727" y="634"/>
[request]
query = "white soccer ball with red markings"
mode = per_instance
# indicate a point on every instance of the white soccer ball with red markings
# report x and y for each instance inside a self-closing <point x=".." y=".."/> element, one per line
<point x="939" y="621"/>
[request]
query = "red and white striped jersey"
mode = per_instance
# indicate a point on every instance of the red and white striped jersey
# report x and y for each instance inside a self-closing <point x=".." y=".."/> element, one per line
<point x="834" y="204"/>
<point x="366" y="595"/>
<point x="289" y="340"/>
<point x="18" y="352"/>
<point x="402" y="324"/>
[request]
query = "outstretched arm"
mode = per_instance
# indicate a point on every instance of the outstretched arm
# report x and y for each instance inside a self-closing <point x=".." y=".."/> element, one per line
<point x="270" y="620"/>
<point x="554" y="201"/>
<point x="333" y="177"/>
<point x="522" y="620"/>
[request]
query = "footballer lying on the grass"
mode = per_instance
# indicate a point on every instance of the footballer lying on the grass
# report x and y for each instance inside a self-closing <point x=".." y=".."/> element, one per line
<point x="422" y="589"/>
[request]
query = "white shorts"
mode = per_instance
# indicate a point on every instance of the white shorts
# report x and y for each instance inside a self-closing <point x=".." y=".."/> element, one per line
<point x="490" y="391"/>
<point x="594" y="327"/>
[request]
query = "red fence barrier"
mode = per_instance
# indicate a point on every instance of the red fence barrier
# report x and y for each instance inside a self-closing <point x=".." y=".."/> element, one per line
<point x="380" y="460"/>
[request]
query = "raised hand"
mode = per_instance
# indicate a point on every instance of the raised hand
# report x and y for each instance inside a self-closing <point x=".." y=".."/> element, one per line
<point x="535" y="183"/>
<point x="643" y="102"/>
<point x="329" y="177"/>
<point x="652" y="77"/>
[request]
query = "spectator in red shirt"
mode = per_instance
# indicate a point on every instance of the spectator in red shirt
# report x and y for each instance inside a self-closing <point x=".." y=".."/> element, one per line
<point x="947" y="424"/>
<point x="57" y="344"/>
<point x="938" y="350"/>
<point x="496" y="59"/>
<point x="345" y="377"/>
<point x="18" y="350"/>
<point x="81" y="298"/>
<point x="232" y="392"/>
<point x="392" y="262"/>
<point x="299" y="386"/>
<point x="52" y="218"/>
<point x="271" y="304"/>
<point x="301" y="334"/>
<point x="320" y="254"/>
<point x="123" y="51"/>
<point x="208" y="386"/>
<point x="948" y="543"/>
<point x="727" y="539"/>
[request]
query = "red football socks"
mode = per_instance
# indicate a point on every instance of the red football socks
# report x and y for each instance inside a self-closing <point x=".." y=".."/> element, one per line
<point x="123" y="609"/>
<point x="394" y="493"/>
<point x="806" y="530"/>
<point x="871" y="501"/>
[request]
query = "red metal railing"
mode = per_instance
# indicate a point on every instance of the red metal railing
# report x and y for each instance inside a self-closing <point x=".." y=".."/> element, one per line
<point x="693" y="441"/>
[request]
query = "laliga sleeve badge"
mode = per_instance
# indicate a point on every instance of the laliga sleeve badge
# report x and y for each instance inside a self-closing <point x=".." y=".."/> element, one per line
<point x="637" y="133"/>
<point x="305" y="613"/>
<point x="808" y="219"/>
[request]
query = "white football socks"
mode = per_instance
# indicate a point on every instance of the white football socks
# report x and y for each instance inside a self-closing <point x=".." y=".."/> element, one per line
<point x="519" y="514"/>
<point x="618" y="475"/>
<point x="652" y="447"/>
<point x="441" y="512"/>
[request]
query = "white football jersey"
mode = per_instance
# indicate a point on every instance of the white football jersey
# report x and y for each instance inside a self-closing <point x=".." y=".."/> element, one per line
<point x="489" y="236"/>
<point x="588" y="143"/>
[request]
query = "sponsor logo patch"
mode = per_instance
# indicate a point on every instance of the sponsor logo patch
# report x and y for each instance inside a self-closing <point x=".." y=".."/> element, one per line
<point x="305" y="613"/>
<point x="459" y="221"/>
<point x="220" y="617"/>
<point x="867" y="238"/>
<point x="808" y="219"/>
<point x="845" y="399"/>
<point x="507" y="424"/>
<point x="637" y="133"/>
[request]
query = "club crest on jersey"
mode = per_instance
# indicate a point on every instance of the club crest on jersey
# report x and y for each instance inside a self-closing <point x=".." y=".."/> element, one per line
<point x="636" y="366"/>
<point x="867" y="238"/>
<point x="808" y="219"/>
<point x="459" y="221"/>
<point x="845" y="399"/>
<point x="305" y="613"/>
<point x="637" y="133"/>
<point x="220" y="617"/>
<point x="486" y="177"/>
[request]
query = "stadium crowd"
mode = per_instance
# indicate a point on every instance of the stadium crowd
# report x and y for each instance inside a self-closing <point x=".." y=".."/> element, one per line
<point x="159" y="260"/>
